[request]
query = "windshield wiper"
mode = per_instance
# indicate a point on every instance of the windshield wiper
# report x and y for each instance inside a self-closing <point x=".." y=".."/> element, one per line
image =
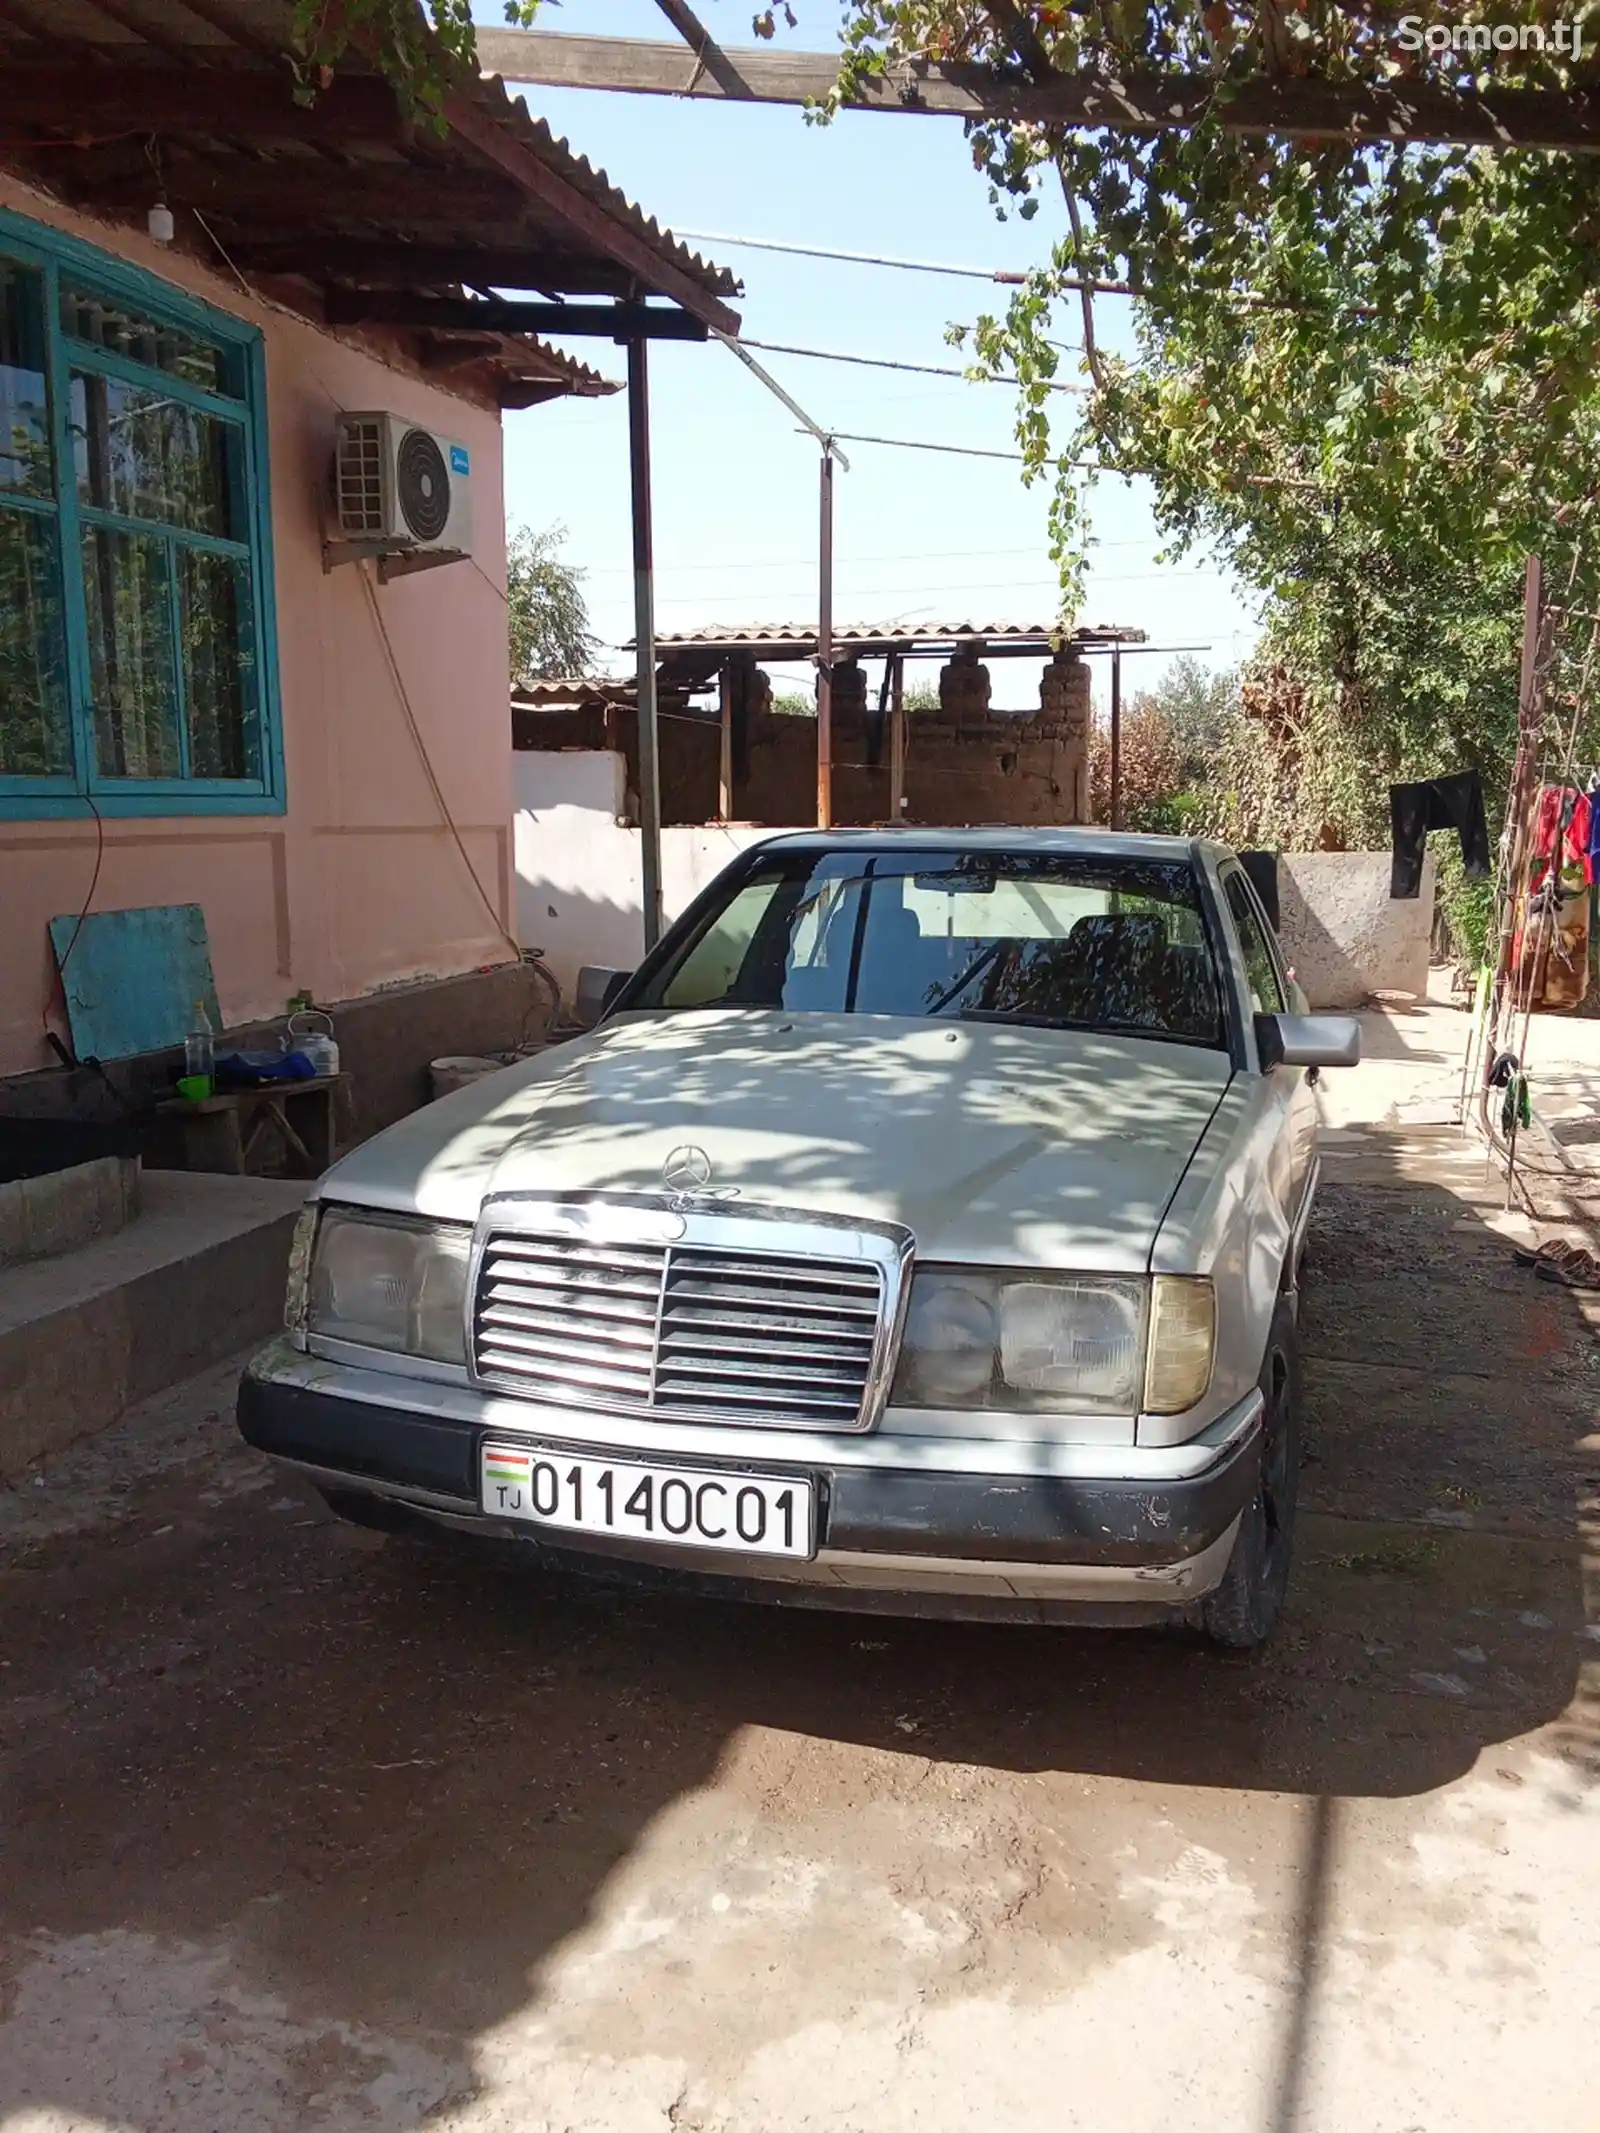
<point x="1025" y="1020"/>
<point x="980" y="962"/>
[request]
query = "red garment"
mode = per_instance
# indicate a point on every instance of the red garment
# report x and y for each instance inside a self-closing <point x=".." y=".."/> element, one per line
<point x="1553" y="820"/>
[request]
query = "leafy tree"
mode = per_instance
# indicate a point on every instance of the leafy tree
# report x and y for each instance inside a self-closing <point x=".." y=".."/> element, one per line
<point x="1172" y="742"/>
<point x="1369" y="375"/>
<point x="550" y="632"/>
<point x="417" y="43"/>
<point x="1196" y="702"/>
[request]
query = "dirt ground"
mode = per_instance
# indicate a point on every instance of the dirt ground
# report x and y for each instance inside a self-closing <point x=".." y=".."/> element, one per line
<point x="305" y="1828"/>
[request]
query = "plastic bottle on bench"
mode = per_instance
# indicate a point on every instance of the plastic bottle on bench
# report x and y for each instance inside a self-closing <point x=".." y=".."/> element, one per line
<point x="199" y="1047"/>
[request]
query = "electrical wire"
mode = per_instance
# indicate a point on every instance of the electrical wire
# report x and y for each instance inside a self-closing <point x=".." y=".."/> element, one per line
<point x="427" y="763"/>
<point x="228" y="260"/>
<point x="925" y="370"/>
<point x="898" y="555"/>
<point x="66" y="956"/>
<point x="1013" y="279"/>
<point x="1008" y="277"/>
<point x="974" y="451"/>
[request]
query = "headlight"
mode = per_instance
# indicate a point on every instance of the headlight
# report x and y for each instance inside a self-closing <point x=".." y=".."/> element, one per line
<point x="388" y="1281"/>
<point x="1056" y="1343"/>
<point x="1038" y="1344"/>
<point x="1183" y="1339"/>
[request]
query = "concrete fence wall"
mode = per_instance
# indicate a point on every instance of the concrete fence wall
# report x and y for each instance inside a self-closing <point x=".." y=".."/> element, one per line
<point x="580" y="894"/>
<point x="580" y="889"/>
<point x="1343" y="933"/>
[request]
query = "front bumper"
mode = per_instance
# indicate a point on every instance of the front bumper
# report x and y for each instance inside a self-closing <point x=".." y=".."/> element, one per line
<point x="1135" y="1544"/>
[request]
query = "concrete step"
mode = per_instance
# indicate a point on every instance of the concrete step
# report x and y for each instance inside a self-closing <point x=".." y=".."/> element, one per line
<point x="199" y="1274"/>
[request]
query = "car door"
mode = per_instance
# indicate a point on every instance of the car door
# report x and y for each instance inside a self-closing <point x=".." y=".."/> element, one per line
<point x="1272" y="993"/>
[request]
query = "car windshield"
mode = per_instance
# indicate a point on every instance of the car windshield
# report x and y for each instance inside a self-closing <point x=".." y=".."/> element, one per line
<point x="1041" y="938"/>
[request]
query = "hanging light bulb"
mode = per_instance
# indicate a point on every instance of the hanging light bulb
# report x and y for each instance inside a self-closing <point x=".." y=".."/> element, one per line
<point x="160" y="224"/>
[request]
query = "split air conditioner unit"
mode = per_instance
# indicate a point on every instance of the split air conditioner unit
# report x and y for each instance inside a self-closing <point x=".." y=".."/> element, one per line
<point x="400" y="487"/>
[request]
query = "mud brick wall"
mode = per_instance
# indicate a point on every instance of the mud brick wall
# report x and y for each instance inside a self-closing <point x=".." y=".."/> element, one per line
<point x="690" y="750"/>
<point x="965" y="761"/>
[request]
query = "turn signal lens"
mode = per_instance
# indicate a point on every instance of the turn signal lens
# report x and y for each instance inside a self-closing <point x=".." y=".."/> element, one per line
<point x="295" y="1300"/>
<point x="1183" y="1335"/>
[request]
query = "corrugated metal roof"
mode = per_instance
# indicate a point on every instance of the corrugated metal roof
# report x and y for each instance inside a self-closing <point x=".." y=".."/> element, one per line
<point x="802" y="636"/>
<point x="594" y="183"/>
<point x="573" y="692"/>
<point x="449" y="192"/>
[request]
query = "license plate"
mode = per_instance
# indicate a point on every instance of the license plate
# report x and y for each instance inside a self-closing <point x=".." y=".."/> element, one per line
<point x="686" y="1507"/>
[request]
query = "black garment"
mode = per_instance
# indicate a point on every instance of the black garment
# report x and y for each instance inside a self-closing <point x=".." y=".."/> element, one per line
<point x="1262" y="868"/>
<point x="1436" y="804"/>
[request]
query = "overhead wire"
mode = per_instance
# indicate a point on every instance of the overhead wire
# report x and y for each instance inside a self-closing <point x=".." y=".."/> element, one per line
<point x="1008" y="277"/>
<point x="926" y="370"/>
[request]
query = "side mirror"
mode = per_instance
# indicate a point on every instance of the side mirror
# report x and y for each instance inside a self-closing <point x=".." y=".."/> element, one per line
<point x="598" y="986"/>
<point x="1308" y="1040"/>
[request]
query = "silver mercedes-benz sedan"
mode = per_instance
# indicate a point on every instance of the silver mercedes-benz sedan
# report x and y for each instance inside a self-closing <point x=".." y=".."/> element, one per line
<point x="919" y="1230"/>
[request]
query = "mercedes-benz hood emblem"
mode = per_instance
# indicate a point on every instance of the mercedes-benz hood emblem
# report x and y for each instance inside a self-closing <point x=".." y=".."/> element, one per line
<point x="686" y="1173"/>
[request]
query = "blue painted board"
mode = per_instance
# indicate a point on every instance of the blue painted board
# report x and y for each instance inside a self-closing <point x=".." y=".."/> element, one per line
<point x="132" y="978"/>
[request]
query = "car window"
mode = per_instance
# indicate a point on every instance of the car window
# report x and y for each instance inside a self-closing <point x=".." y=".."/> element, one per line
<point x="712" y="964"/>
<point x="1089" y="942"/>
<point x="1266" y="988"/>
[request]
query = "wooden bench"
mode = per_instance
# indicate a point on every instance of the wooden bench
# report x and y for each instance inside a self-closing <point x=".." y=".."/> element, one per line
<point x="224" y="1131"/>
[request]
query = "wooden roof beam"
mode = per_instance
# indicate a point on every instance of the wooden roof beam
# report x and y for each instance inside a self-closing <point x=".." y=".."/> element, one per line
<point x="279" y="192"/>
<point x="232" y="103"/>
<point x="1299" y="109"/>
<point x="593" y="229"/>
<point x="710" y="58"/>
<point x="414" y="266"/>
<point x="614" y="322"/>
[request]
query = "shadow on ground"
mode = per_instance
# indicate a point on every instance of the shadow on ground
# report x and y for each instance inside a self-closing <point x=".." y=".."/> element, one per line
<point x="392" y="1781"/>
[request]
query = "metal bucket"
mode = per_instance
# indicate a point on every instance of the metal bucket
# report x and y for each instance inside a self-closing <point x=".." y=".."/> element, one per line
<point x="457" y="1072"/>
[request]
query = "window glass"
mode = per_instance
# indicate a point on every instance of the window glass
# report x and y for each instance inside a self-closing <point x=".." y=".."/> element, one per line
<point x="155" y="688"/>
<point x="35" y="739"/>
<point x="1038" y="938"/>
<point x="143" y="454"/>
<point x="1266" y="992"/>
<point x="218" y="664"/>
<point x="712" y="965"/>
<point x="25" y="458"/>
<point x="121" y="331"/>
<point x="130" y="654"/>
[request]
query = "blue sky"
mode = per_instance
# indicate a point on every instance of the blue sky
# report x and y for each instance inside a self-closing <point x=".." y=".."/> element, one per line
<point x="919" y="536"/>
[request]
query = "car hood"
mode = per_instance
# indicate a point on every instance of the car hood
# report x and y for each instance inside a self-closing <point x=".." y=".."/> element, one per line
<point x="993" y="1144"/>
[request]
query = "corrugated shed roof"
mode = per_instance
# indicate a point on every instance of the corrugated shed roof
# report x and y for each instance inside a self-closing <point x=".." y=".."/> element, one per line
<point x="802" y="636"/>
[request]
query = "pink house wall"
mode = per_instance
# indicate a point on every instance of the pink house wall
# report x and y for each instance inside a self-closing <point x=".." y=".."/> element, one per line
<point x="360" y="884"/>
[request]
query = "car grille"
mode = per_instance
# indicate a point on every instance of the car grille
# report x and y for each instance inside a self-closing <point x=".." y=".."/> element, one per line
<point x="682" y="1329"/>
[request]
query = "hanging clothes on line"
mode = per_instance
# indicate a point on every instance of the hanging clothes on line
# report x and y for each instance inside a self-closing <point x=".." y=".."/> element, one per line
<point x="1561" y="837"/>
<point x="1435" y="804"/>
<point x="1550" y="945"/>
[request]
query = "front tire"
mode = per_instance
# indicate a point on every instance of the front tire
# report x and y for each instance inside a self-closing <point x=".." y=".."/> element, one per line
<point x="1246" y="1607"/>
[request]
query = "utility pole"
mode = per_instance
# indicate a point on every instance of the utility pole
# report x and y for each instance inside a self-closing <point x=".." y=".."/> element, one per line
<point x="825" y="645"/>
<point x="644" y="637"/>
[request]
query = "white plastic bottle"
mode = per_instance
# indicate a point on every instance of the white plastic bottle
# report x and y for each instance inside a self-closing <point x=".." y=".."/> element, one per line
<point x="199" y="1049"/>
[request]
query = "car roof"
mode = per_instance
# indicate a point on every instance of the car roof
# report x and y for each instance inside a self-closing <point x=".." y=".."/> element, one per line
<point x="1086" y="842"/>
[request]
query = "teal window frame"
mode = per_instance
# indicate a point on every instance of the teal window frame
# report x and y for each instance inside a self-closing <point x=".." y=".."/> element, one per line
<point x="86" y="790"/>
